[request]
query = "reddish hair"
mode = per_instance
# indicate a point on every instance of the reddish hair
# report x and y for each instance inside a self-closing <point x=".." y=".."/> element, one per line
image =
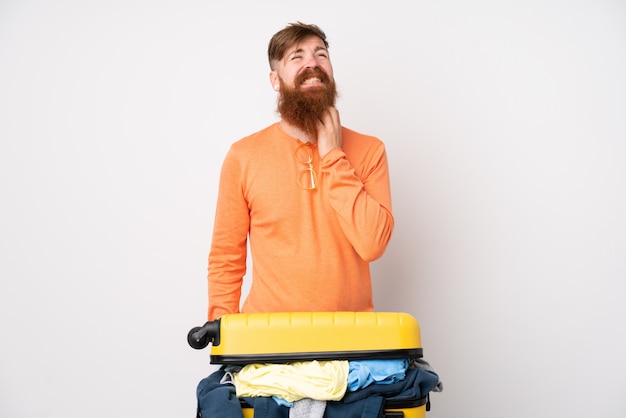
<point x="291" y="34"/>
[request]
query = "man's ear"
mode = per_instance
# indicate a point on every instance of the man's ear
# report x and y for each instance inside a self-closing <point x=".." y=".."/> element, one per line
<point x="274" y="80"/>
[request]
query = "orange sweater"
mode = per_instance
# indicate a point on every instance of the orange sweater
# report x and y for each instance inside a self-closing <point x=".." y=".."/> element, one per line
<point x="310" y="248"/>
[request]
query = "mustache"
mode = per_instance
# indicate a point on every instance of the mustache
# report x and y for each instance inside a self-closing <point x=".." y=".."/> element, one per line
<point x="312" y="72"/>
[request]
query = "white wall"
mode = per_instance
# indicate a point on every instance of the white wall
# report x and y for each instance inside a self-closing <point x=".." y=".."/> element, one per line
<point x="506" y="132"/>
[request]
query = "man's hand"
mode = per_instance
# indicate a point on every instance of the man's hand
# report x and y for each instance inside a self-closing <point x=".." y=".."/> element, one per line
<point x="329" y="132"/>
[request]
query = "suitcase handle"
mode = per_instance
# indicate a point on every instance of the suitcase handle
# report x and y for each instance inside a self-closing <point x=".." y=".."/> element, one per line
<point x="200" y="337"/>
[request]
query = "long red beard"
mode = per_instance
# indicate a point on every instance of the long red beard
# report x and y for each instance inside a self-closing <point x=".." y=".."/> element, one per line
<point x="304" y="108"/>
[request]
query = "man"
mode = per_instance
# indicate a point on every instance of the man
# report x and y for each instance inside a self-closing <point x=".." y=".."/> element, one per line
<point x="312" y="196"/>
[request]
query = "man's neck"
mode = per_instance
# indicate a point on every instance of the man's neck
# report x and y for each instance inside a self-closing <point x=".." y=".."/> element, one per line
<point x="296" y="132"/>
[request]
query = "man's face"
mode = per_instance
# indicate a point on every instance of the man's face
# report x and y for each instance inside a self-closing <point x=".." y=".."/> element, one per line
<point x="309" y="53"/>
<point x="306" y="85"/>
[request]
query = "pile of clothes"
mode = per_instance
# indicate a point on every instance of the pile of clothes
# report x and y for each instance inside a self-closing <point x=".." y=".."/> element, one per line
<point x="315" y="389"/>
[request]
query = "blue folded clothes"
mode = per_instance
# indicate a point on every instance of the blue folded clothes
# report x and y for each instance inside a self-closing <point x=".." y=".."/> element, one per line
<point x="416" y="385"/>
<point x="363" y="373"/>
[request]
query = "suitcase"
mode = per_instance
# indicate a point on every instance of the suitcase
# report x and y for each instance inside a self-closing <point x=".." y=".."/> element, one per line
<point x="283" y="337"/>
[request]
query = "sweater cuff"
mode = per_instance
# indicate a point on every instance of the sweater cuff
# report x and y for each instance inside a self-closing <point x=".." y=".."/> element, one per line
<point x="332" y="157"/>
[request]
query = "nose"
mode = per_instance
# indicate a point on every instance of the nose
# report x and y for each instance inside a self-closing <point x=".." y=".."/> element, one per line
<point x="311" y="61"/>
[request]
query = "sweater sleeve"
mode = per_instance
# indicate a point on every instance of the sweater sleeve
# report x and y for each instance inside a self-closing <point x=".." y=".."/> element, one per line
<point x="362" y="202"/>
<point x="227" y="257"/>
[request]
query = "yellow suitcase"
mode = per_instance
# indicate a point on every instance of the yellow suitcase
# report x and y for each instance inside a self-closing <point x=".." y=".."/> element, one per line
<point x="302" y="336"/>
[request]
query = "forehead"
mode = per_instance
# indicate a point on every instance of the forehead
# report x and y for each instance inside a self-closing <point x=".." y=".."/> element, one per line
<point x="310" y="42"/>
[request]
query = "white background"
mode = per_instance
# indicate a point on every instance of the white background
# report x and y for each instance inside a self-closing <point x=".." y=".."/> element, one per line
<point x="505" y="124"/>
